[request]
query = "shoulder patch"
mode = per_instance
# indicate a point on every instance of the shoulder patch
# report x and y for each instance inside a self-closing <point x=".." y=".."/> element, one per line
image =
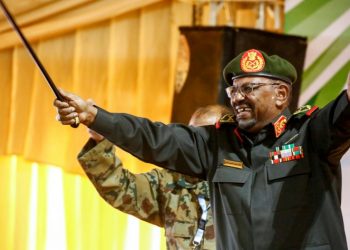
<point x="305" y="110"/>
<point x="225" y="119"/>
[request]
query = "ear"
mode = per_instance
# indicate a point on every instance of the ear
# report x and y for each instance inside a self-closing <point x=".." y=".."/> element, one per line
<point x="282" y="93"/>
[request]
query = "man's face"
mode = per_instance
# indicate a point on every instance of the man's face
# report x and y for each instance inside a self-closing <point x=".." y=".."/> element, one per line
<point x="254" y="102"/>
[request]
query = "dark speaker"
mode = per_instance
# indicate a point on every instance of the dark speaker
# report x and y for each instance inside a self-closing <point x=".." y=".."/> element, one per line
<point x="208" y="50"/>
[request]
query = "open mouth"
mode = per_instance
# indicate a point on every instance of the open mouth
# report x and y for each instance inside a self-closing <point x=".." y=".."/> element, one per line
<point x="242" y="109"/>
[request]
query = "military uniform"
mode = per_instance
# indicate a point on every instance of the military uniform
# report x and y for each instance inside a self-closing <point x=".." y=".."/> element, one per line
<point x="259" y="202"/>
<point x="278" y="188"/>
<point x="161" y="197"/>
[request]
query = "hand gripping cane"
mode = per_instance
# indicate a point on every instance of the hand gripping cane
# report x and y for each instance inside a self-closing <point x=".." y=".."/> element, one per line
<point x="26" y="44"/>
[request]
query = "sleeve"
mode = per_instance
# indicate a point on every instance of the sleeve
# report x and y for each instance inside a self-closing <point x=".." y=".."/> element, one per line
<point x="330" y="129"/>
<point x="134" y="194"/>
<point x="176" y="147"/>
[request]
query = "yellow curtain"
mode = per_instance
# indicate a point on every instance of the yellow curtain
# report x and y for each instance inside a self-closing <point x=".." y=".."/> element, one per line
<point x="43" y="207"/>
<point x="126" y="64"/>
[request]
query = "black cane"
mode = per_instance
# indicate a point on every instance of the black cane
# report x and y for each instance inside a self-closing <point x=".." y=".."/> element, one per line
<point x="29" y="48"/>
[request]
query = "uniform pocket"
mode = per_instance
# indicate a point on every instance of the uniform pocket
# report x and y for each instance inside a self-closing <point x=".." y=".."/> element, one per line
<point x="183" y="229"/>
<point x="180" y="235"/>
<point x="288" y="183"/>
<point x="232" y="188"/>
<point x="287" y="169"/>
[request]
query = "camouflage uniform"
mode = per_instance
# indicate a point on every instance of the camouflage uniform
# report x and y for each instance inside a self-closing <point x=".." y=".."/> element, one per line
<point x="161" y="197"/>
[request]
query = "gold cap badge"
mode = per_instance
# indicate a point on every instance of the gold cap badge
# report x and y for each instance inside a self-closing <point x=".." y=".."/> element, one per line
<point x="252" y="61"/>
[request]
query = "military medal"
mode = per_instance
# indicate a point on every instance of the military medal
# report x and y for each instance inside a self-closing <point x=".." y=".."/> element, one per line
<point x="286" y="153"/>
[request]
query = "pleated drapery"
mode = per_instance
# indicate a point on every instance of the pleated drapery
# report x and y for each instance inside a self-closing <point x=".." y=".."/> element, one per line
<point x="120" y="53"/>
<point x="125" y="63"/>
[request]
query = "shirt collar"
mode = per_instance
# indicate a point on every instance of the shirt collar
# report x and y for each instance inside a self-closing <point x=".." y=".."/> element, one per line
<point x="278" y="125"/>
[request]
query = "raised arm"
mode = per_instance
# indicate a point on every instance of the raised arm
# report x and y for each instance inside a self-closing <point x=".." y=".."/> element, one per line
<point x="177" y="147"/>
<point x="332" y="125"/>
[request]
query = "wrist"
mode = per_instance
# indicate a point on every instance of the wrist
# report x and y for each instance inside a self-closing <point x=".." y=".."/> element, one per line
<point x="91" y="113"/>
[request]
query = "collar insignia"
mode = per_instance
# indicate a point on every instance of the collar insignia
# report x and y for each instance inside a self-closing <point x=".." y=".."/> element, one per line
<point x="280" y="125"/>
<point x="285" y="153"/>
<point x="225" y="119"/>
<point x="228" y="118"/>
<point x="252" y="61"/>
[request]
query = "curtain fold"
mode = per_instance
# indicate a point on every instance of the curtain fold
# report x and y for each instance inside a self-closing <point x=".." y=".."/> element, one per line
<point x="125" y="64"/>
<point x="43" y="207"/>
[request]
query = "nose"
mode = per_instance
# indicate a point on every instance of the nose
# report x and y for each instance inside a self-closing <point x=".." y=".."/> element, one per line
<point x="237" y="97"/>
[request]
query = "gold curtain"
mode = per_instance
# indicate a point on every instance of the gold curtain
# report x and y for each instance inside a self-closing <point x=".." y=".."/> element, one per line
<point x="122" y="54"/>
<point x="44" y="207"/>
<point x="124" y="60"/>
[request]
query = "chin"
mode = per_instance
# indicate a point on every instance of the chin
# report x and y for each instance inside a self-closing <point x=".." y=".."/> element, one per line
<point x="246" y="124"/>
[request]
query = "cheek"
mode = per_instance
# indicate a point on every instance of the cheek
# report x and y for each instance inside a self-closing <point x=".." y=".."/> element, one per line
<point x="264" y="105"/>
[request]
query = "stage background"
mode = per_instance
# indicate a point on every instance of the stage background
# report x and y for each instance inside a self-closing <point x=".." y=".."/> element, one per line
<point x="123" y="55"/>
<point x="327" y="62"/>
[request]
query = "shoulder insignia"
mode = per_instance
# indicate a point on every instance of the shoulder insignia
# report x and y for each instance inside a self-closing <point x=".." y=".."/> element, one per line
<point x="305" y="110"/>
<point x="225" y="119"/>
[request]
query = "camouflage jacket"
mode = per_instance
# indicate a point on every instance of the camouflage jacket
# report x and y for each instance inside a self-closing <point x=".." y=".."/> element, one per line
<point x="161" y="197"/>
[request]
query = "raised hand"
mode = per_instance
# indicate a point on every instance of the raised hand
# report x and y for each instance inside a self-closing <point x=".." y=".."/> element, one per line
<point x="73" y="107"/>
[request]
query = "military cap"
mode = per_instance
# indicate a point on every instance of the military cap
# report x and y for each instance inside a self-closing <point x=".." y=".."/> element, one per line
<point x="257" y="63"/>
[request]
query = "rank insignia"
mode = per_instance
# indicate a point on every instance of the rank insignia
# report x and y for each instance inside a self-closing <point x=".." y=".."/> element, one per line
<point x="252" y="61"/>
<point x="225" y="119"/>
<point x="233" y="164"/>
<point x="285" y="153"/>
<point x="280" y="125"/>
<point x="302" y="109"/>
<point x="306" y="109"/>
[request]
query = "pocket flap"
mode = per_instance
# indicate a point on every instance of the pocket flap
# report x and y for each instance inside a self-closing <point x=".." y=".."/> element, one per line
<point x="286" y="169"/>
<point x="228" y="174"/>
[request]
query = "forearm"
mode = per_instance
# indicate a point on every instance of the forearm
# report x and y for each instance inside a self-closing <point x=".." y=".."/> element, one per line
<point x="332" y="124"/>
<point x="120" y="188"/>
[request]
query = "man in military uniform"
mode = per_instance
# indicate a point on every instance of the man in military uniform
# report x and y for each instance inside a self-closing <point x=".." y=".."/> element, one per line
<point x="274" y="177"/>
<point x="177" y="202"/>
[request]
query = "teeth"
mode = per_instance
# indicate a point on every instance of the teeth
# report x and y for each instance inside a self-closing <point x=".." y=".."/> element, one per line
<point x="242" y="109"/>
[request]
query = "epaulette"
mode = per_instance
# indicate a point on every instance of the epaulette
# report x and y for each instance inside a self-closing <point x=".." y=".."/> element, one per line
<point x="225" y="119"/>
<point x="305" y="110"/>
